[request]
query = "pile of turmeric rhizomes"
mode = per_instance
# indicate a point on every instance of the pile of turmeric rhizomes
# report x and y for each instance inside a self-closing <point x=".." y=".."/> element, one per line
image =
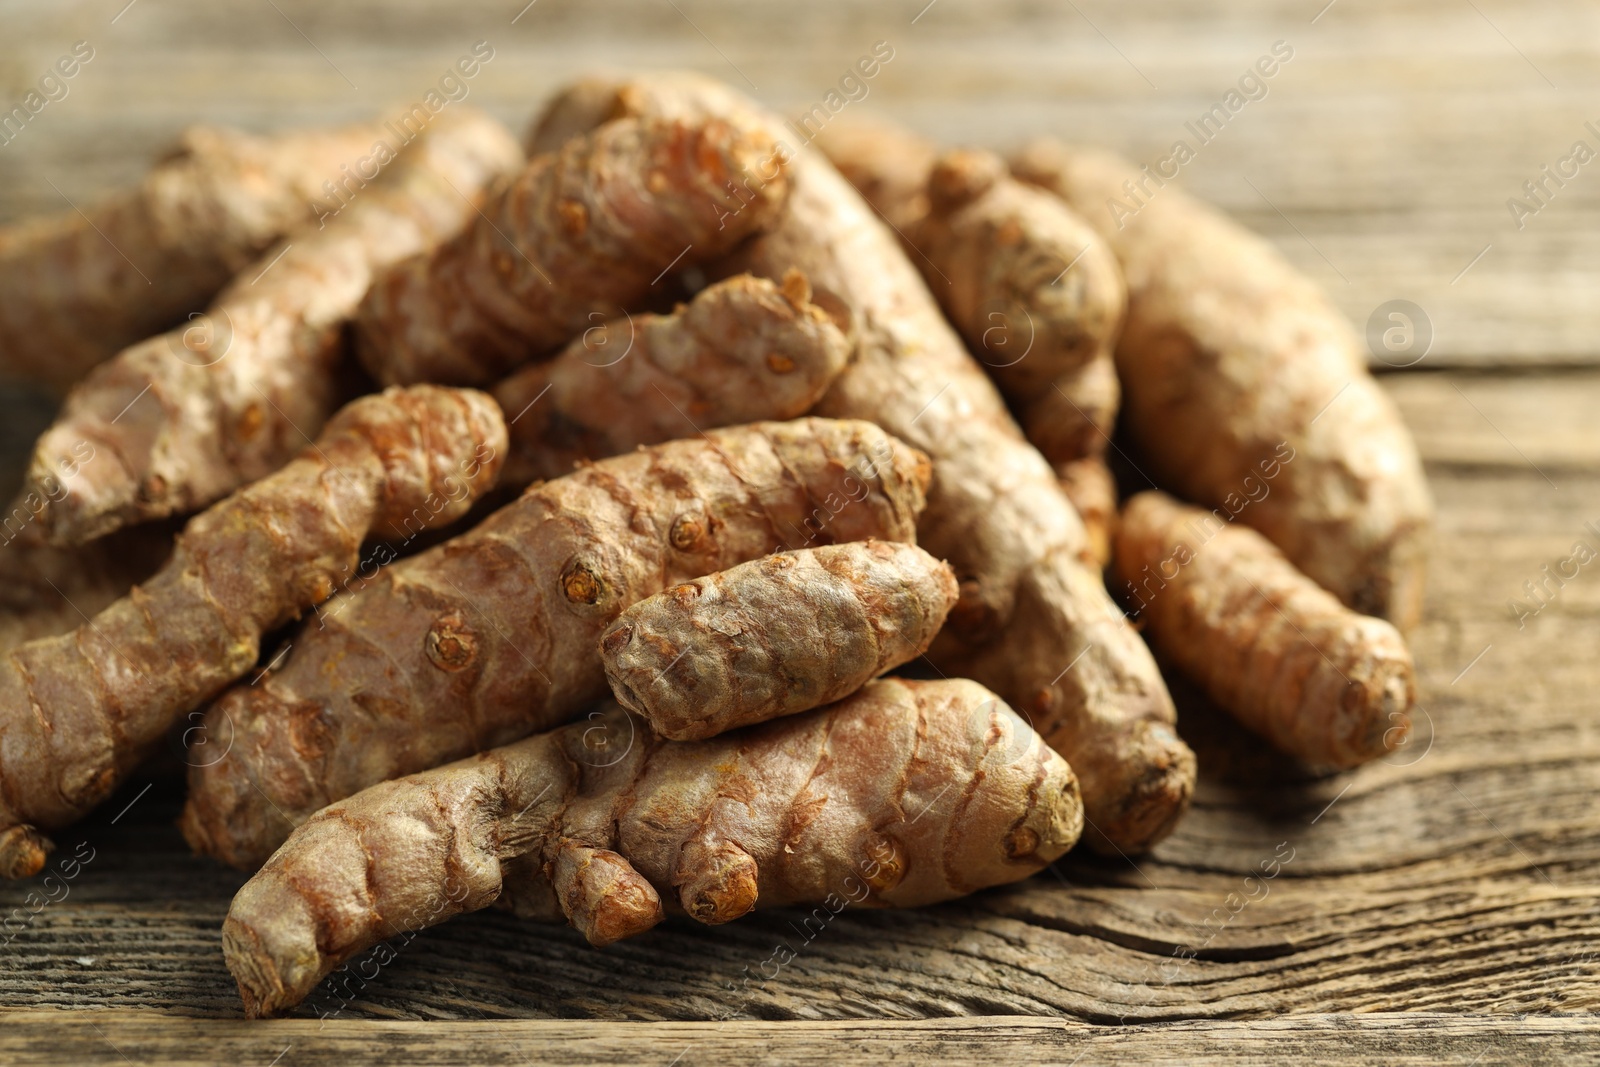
<point x="609" y="640"/>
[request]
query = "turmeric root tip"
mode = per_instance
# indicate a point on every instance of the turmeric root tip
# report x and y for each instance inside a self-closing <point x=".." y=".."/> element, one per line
<point x="1321" y="682"/>
<point x="776" y="636"/>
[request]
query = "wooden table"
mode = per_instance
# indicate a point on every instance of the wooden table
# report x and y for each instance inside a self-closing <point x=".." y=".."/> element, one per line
<point x="1440" y="906"/>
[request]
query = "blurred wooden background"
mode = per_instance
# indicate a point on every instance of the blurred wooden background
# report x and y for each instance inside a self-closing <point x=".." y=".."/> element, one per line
<point x="1461" y="876"/>
<point x="1381" y="158"/>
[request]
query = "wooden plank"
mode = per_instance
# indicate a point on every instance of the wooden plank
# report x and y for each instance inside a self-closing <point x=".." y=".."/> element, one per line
<point x="1541" y="425"/>
<point x="32" y="1038"/>
<point x="1380" y="160"/>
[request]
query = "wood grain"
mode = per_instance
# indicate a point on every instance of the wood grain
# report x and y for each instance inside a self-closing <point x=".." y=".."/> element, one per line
<point x="1380" y="160"/>
<point x="1411" y="1040"/>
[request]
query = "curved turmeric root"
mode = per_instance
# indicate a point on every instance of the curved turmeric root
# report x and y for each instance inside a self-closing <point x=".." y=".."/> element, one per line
<point x="743" y="350"/>
<point x="1032" y="288"/>
<point x="907" y="793"/>
<point x="78" y="711"/>
<point x="1268" y="644"/>
<point x="68" y="297"/>
<point x="1233" y="364"/>
<point x="1040" y="299"/>
<point x="181" y="420"/>
<point x="493" y="635"/>
<point x="579" y="235"/>
<point x="775" y="636"/>
<point x="1033" y="622"/>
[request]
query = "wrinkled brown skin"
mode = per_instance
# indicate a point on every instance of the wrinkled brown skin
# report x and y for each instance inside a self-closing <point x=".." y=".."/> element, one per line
<point x="68" y="297"/>
<point x="181" y="420"/>
<point x="905" y="794"/>
<point x="1321" y="682"/>
<point x="1228" y="354"/>
<point x="1035" y="292"/>
<point x="1037" y="295"/>
<point x="743" y="350"/>
<point x="78" y="711"/>
<point x="774" y="637"/>
<point x="494" y="634"/>
<point x="1034" y="622"/>
<point x="581" y="234"/>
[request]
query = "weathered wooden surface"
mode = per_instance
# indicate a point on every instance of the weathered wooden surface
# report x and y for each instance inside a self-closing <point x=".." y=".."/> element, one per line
<point x="1461" y="875"/>
<point x="1410" y="1040"/>
<point x="1381" y="158"/>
